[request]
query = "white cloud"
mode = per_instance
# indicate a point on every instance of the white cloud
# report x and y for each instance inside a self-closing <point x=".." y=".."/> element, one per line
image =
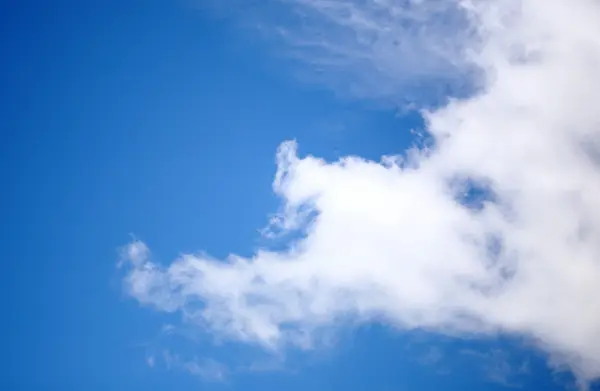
<point x="391" y="242"/>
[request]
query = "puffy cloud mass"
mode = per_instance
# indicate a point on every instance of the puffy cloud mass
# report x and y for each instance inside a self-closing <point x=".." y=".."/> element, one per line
<point x="495" y="229"/>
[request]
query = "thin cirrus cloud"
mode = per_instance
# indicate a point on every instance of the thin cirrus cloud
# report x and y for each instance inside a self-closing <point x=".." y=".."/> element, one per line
<point x="394" y="241"/>
<point x="389" y="51"/>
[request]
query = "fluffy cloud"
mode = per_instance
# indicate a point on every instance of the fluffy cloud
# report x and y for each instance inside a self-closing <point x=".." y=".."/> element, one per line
<point x="397" y="241"/>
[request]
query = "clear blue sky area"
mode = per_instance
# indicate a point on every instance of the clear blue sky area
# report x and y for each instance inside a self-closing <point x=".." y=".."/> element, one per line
<point x="157" y="119"/>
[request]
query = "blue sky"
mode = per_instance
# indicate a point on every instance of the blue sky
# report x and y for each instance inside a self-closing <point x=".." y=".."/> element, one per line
<point x="161" y="120"/>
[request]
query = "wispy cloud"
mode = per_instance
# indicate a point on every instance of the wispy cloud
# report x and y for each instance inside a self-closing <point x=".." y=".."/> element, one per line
<point x="151" y="361"/>
<point x="432" y="356"/>
<point x="399" y="52"/>
<point x="395" y="242"/>
<point x="206" y="368"/>
<point x="497" y="366"/>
